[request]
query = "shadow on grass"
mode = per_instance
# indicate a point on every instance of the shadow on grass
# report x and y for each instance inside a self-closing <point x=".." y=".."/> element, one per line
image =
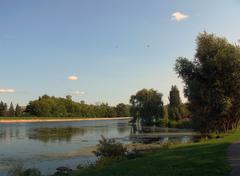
<point x="206" y="159"/>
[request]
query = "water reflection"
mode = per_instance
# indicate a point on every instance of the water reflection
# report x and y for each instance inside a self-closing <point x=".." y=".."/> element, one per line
<point x="123" y="128"/>
<point x="146" y="134"/>
<point x="53" y="143"/>
<point x="8" y="133"/>
<point x="55" y="134"/>
<point x="139" y="129"/>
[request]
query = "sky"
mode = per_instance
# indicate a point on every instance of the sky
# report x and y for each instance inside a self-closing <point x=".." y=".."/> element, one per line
<point x="103" y="51"/>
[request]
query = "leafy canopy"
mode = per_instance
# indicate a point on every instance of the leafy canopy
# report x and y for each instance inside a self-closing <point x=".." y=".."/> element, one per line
<point x="212" y="83"/>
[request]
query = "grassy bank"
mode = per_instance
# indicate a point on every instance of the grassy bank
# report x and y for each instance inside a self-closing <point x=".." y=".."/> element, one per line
<point x="206" y="158"/>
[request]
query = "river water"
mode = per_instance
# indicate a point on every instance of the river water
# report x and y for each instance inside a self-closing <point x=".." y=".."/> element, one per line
<point x="48" y="145"/>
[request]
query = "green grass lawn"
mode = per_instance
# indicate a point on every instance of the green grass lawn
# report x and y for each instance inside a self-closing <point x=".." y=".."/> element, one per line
<point x="206" y="158"/>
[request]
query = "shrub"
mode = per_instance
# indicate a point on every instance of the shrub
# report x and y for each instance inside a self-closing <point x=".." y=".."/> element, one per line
<point x="162" y="123"/>
<point x="184" y="124"/>
<point x="32" y="172"/>
<point x="180" y="124"/>
<point x="109" y="148"/>
<point x="172" y="123"/>
<point x="18" y="170"/>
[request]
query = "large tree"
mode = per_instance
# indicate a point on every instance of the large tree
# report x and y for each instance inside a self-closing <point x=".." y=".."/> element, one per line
<point x="212" y="83"/>
<point x="147" y="106"/>
<point x="174" y="107"/>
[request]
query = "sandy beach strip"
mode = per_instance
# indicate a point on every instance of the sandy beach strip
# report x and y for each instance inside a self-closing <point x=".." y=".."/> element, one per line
<point x="59" y="120"/>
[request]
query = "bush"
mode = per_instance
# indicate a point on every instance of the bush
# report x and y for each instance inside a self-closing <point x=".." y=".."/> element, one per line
<point x="180" y="124"/>
<point x="110" y="148"/>
<point x="184" y="124"/>
<point x="63" y="171"/>
<point x="162" y="123"/>
<point x="18" y="170"/>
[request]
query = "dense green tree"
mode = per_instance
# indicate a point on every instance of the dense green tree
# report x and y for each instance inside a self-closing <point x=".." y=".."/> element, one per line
<point x="212" y="83"/>
<point x="3" y="109"/>
<point x="18" y="111"/>
<point x="122" y="110"/>
<point x="66" y="107"/>
<point x="147" y="106"/>
<point x="174" y="97"/>
<point x="174" y="107"/>
<point x="11" y="111"/>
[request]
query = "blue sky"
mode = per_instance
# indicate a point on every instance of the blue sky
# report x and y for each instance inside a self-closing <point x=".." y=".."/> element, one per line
<point x="113" y="47"/>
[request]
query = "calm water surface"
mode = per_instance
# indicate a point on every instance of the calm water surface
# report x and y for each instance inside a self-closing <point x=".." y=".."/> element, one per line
<point x="49" y="145"/>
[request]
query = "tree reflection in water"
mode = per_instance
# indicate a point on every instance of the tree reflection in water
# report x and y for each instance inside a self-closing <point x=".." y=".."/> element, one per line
<point x="55" y="134"/>
<point x="154" y="134"/>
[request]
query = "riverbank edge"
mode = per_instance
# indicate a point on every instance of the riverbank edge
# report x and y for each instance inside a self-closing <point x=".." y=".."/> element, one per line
<point x="209" y="155"/>
<point x="38" y="119"/>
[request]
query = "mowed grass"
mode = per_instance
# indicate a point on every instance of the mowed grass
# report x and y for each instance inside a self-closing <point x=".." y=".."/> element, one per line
<point x="206" y="158"/>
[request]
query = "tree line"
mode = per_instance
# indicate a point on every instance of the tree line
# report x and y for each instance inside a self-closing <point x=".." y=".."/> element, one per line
<point x="50" y="106"/>
<point x="10" y="111"/>
<point x="47" y="106"/>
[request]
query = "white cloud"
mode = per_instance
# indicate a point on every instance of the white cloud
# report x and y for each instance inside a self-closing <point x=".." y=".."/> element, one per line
<point x="77" y="92"/>
<point x="7" y="90"/>
<point x="72" y="78"/>
<point x="178" y="16"/>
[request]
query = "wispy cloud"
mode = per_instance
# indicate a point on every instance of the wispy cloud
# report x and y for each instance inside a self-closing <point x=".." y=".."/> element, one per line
<point x="77" y="92"/>
<point x="2" y="90"/>
<point x="178" y="16"/>
<point x="73" y="78"/>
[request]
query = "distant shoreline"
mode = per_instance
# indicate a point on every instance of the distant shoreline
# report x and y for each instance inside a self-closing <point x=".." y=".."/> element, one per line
<point x="37" y="119"/>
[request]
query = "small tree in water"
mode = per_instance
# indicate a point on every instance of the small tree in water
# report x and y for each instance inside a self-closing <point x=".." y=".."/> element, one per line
<point x="147" y="106"/>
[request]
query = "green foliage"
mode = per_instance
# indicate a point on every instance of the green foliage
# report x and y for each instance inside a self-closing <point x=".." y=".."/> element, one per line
<point x="182" y="124"/>
<point x="32" y="172"/>
<point x="212" y="83"/>
<point x="174" y="113"/>
<point x="109" y="148"/>
<point x="3" y="109"/>
<point x="11" y="111"/>
<point x="18" y="170"/>
<point x="122" y="110"/>
<point x="174" y="97"/>
<point x="176" y="109"/>
<point x="147" y="106"/>
<point x="162" y="123"/>
<point x="18" y="111"/>
<point x="47" y="106"/>
<point x="63" y="171"/>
